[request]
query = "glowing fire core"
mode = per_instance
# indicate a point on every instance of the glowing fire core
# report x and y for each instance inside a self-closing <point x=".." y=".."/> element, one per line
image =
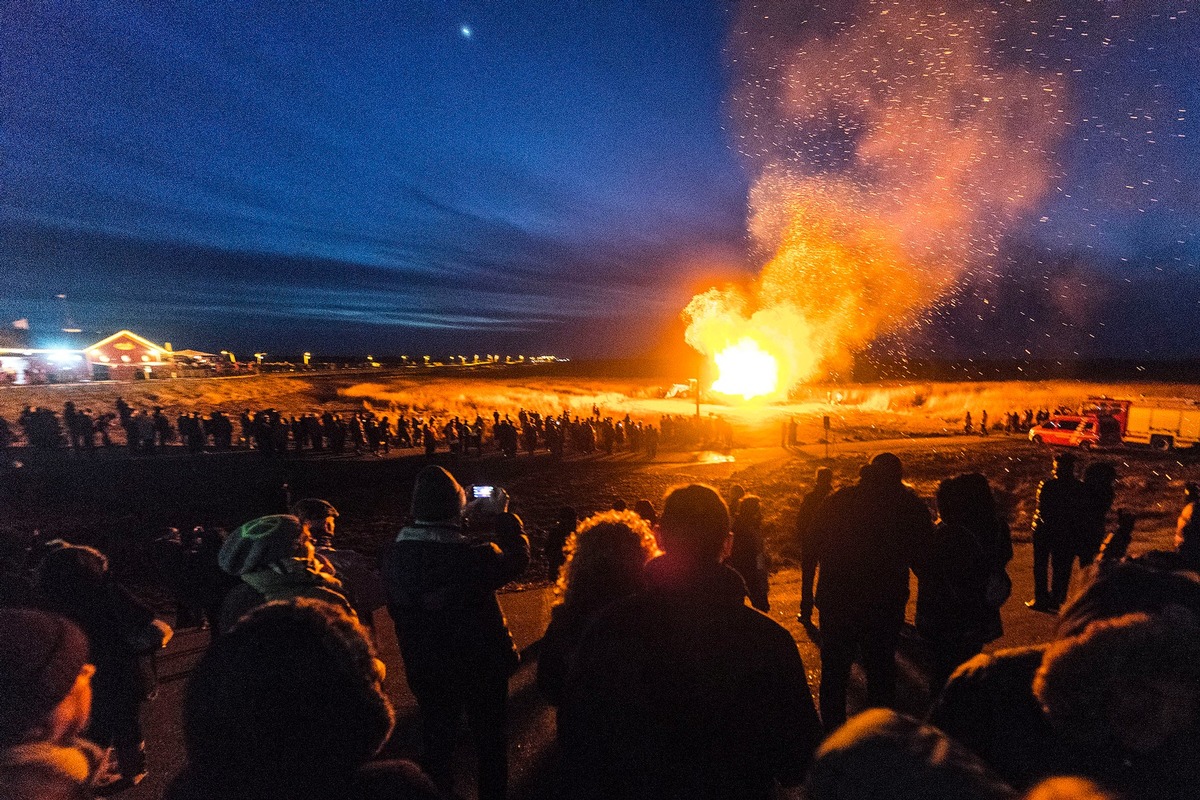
<point x="746" y="369"/>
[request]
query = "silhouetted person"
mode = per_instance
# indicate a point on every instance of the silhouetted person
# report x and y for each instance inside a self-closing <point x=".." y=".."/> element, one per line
<point x="606" y="557"/>
<point x="74" y="581"/>
<point x="275" y="558"/>
<point x="805" y="518"/>
<point x="1187" y="528"/>
<point x="45" y="683"/>
<point x="867" y="536"/>
<point x="1055" y="537"/>
<point x="954" y="613"/>
<point x="1096" y="499"/>
<point x="458" y="653"/>
<point x="747" y="553"/>
<point x="681" y="690"/>
<point x="290" y="704"/>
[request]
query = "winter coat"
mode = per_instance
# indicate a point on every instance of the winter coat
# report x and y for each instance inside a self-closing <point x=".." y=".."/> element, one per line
<point x="683" y="691"/>
<point x="990" y="707"/>
<point x="288" y="580"/>
<point x="805" y="518"/>
<point x="113" y="620"/>
<point x="867" y="537"/>
<point x="441" y="590"/>
<point x="952" y="581"/>
<point x="1056" y="519"/>
<point x="748" y="558"/>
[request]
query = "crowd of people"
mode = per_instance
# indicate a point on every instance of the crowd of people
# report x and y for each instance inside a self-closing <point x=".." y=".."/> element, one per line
<point x="271" y="432"/>
<point x="1014" y="421"/>
<point x="667" y="678"/>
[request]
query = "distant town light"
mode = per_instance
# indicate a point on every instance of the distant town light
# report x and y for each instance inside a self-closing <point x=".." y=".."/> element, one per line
<point x="62" y="356"/>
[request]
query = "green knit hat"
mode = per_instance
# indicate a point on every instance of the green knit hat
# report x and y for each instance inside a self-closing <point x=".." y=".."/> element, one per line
<point x="259" y="543"/>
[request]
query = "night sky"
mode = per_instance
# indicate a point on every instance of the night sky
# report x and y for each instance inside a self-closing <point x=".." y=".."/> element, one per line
<point x="562" y="176"/>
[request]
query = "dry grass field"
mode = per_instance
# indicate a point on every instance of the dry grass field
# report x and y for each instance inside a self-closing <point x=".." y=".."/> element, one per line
<point x="922" y="420"/>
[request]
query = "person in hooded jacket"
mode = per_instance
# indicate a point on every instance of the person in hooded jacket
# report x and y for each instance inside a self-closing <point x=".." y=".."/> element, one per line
<point x="441" y="582"/>
<point x="990" y="706"/>
<point x="275" y="558"/>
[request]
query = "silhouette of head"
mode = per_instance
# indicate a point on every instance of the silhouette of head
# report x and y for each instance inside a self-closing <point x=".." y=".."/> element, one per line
<point x="694" y="522"/>
<point x="886" y="468"/>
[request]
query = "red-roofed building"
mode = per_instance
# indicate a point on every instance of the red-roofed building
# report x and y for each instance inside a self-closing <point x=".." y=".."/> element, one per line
<point x="127" y="356"/>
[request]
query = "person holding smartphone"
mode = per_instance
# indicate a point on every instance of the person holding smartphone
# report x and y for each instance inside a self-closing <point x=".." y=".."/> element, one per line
<point x="441" y="578"/>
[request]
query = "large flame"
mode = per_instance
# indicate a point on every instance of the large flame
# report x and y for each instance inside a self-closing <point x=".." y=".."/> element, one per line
<point x="874" y="189"/>
<point x="746" y="369"/>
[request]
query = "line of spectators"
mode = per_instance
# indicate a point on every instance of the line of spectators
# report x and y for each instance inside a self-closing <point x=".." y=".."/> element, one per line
<point x="272" y="432"/>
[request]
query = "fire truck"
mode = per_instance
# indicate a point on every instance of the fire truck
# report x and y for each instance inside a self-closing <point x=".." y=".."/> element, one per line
<point x="1161" y="423"/>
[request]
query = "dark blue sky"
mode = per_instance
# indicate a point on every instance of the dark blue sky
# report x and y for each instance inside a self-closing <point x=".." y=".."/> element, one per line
<point x="492" y="176"/>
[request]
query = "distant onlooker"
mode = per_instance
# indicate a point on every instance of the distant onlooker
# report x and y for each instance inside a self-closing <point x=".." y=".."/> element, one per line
<point x="1187" y="528"/>
<point x="1096" y="499"/>
<point x="1055" y="537"/>
<point x="289" y="703"/>
<point x="45" y="703"/>
<point x="736" y="493"/>
<point x="747" y="553"/>
<point x="458" y="653"/>
<point x="275" y="560"/>
<point x="681" y="691"/>
<point x="605" y="557"/>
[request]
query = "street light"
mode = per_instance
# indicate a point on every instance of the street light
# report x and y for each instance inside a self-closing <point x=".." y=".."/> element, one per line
<point x="232" y="358"/>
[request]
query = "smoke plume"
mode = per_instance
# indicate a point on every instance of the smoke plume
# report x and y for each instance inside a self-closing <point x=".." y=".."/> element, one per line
<point x="891" y="145"/>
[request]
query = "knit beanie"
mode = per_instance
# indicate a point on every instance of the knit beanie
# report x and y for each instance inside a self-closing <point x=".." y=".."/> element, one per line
<point x="40" y="659"/>
<point x="437" y="497"/>
<point x="260" y="542"/>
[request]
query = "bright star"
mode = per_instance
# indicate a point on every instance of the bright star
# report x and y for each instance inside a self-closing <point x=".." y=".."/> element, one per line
<point x="465" y="30"/>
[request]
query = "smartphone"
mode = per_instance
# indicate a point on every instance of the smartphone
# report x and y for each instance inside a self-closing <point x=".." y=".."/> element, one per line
<point x="483" y="492"/>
